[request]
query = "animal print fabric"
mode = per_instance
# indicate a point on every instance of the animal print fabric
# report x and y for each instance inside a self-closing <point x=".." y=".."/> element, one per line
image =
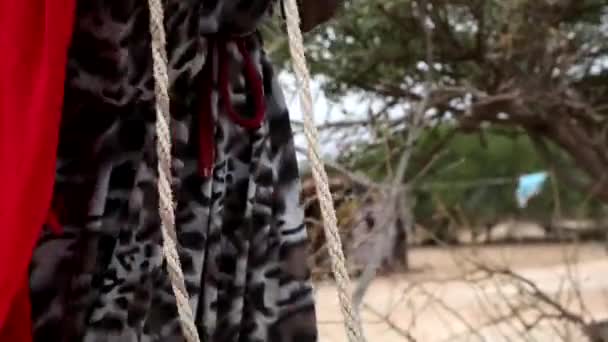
<point x="242" y="239"/>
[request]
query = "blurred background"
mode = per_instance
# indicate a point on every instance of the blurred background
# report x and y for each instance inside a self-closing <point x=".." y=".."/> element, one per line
<point x="466" y="141"/>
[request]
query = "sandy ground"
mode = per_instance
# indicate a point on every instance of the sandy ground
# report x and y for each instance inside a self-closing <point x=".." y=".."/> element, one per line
<point x="449" y="307"/>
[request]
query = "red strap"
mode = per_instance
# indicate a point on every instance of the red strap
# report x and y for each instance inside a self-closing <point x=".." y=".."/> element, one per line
<point x="206" y="125"/>
<point x="34" y="37"/>
<point x="53" y="218"/>
<point x="253" y="80"/>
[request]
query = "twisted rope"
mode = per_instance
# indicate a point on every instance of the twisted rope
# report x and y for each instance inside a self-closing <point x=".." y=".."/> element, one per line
<point x="352" y="321"/>
<point x="163" y="147"/>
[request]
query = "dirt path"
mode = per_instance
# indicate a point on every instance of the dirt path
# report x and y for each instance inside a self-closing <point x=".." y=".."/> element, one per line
<point x="450" y="309"/>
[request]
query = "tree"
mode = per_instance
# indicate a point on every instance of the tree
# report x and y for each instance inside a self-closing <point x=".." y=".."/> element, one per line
<point x="538" y="65"/>
<point x="473" y="180"/>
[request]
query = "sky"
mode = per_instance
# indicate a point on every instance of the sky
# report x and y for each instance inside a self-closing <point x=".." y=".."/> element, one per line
<point x="349" y="107"/>
<point x="325" y="110"/>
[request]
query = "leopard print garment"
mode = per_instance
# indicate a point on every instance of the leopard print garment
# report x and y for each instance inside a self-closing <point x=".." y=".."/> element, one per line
<point x="241" y="232"/>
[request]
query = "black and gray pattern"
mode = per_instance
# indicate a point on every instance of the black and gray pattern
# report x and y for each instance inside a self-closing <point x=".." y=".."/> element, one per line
<point x="241" y="232"/>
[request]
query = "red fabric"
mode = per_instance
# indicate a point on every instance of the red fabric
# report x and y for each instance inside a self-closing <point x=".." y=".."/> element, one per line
<point x="34" y="36"/>
<point x="17" y="326"/>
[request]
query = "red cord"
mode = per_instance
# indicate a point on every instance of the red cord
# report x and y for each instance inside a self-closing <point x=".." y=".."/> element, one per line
<point x="52" y="219"/>
<point x="252" y="79"/>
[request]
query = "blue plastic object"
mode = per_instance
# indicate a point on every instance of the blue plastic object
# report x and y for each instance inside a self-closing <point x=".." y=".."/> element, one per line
<point x="529" y="185"/>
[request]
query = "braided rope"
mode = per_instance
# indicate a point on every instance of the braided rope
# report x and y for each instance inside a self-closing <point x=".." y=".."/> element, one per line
<point x="352" y="321"/>
<point x="163" y="146"/>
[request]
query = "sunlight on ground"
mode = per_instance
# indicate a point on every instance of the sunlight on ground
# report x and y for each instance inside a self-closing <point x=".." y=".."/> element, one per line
<point x="452" y="308"/>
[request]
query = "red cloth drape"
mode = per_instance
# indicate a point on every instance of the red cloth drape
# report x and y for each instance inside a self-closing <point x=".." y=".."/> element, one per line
<point x="34" y="37"/>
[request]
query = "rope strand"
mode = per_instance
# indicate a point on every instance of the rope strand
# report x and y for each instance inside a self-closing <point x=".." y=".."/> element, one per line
<point x="166" y="210"/>
<point x="352" y="321"/>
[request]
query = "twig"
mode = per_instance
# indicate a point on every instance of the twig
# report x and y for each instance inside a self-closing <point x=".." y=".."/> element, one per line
<point x="413" y="134"/>
<point x="386" y="319"/>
